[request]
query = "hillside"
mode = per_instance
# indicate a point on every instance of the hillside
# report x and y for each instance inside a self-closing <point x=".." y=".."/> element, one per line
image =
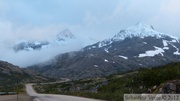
<point x="113" y="87"/>
<point x="10" y="75"/>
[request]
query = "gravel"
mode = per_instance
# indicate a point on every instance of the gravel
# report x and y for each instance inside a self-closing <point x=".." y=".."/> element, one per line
<point x="21" y="97"/>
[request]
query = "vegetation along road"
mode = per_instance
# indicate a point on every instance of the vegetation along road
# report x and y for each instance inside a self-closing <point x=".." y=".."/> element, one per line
<point x="52" y="97"/>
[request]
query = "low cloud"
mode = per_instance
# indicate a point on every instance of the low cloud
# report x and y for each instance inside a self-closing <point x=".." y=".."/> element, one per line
<point x="40" y="20"/>
<point x="13" y="34"/>
<point x="28" y="58"/>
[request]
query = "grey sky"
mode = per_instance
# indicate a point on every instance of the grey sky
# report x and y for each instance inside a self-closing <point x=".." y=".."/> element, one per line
<point x="99" y="19"/>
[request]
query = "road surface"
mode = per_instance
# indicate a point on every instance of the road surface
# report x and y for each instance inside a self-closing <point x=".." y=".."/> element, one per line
<point x="52" y="97"/>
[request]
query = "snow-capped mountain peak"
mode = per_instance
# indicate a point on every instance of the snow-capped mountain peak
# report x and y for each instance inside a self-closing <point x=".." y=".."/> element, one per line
<point x="65" y="34"/>
<point x="142" y="25"/>
<point x="61" y="39"/>
<point x="138" y="30"/>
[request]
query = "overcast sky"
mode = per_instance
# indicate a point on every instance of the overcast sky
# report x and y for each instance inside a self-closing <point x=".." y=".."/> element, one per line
<point x="97" y="19"/>
<point x="37" y="19"/>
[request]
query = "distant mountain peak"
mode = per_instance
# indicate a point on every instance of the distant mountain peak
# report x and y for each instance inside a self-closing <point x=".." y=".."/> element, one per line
<point x="30" y="45"/>
<point x="65" y="34"/>
<point x="138" y="30"/>
<point x="61" y="39"/>
<point x="141" y="25"/>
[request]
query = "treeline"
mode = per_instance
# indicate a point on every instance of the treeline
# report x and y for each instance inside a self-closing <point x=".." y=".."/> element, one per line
<point x="139" y="82"/>
<point x="158" y="75"/>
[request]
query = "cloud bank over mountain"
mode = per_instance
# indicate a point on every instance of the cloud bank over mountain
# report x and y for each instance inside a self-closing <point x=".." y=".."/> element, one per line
<point x="39" y="20"/>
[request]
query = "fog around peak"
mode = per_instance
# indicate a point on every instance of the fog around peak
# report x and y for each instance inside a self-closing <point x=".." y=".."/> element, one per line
<point x="87" y="19"/>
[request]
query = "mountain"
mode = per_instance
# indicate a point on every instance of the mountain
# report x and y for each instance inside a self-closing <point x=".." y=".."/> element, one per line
<point x="63" y="38"/>
<point x="138" y="46"/>
<point x="30" y="45"/>
<point x="9" y="73"/>
<point x="65" y="35"/>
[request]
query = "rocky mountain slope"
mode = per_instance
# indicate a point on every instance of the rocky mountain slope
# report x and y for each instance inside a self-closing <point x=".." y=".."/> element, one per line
<point x="132" y="48"/>
<point x="9" y="74"/>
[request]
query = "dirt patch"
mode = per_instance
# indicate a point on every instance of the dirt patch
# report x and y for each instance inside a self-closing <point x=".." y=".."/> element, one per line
<point x="21" y="97"/>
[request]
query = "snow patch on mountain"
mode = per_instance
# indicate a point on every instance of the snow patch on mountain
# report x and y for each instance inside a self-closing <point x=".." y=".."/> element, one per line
<point x="165" y="43"/>
<point x="105" y="60"/>
<point x="105" y="43"/>
<point x="93" y="46"/>
<point x="124" y="57"/>
<point x="152" y="53"/>
<point x="166" y="48"/>
<point x="96" y="66"/>
<point x="106" y="50"/>
<point x="177" y="50"/>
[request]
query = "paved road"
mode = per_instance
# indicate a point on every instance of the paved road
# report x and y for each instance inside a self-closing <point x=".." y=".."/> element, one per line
<point x="52" y="97"/>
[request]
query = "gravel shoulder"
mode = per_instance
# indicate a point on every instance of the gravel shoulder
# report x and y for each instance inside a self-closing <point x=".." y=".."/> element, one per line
<point x="21" y="97"/>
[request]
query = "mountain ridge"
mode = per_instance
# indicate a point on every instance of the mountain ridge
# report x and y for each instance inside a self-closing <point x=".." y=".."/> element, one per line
<point x="64" y="37"/>
<point x="9" y="71"/>
<point x="116" y="55"/>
